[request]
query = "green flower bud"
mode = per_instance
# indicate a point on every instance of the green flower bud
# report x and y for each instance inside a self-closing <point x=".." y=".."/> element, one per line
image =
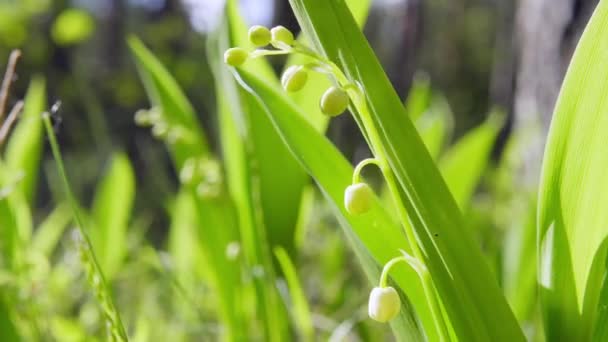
<point x="160" y="130"/>
<point x="235" y="56"/>
<point x="384" y="304"/>
<point x="294" y="78"/>
<point x="259" y="35"/>
<point x="358" y="198"/>
<point x="281" y="34"/>
<point x="334" y="101"/>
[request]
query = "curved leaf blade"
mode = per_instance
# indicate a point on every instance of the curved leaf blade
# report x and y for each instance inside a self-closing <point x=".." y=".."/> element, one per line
<point x="572" y="220"/>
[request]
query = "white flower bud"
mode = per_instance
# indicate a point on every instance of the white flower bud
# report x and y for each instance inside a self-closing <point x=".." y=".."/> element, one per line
<point x="384" y="304"/>
<point x="358" y="198"/>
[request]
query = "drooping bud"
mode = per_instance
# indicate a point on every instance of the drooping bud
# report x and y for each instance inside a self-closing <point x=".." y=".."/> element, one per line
<point x="235" y="56"/>
<point x="334" y="101"/>
<point x="259" y="35"/>
<point x="294" y="78"/>
<point x="160" y="130"/>
<point x="384" y="304"/>
<point x="282" y="35"/>
<point x="358" y="198"/>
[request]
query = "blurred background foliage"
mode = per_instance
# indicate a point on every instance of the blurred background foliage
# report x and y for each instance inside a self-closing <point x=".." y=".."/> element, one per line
<point x="467" y="52"/>
<point x="80" y="47"/>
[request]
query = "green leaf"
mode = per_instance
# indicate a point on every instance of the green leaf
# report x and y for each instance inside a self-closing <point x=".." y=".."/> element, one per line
<point x="299" y="304"/>
<point x="473" y="301"/>
<point x="24" y="147"/>
<point x="464" y="163"/>
<point x="111" y="214"/>
<point x="572" y="216"/>
<point x="374" y="236"/>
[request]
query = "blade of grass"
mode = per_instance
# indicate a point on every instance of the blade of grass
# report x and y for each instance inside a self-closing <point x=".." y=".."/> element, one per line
<point x="94" y="274"/>
<point x="299" y="304"/>
<point x="24" y="148"/>
<point x="474" y="304"/>
<point x="572" y="221"/>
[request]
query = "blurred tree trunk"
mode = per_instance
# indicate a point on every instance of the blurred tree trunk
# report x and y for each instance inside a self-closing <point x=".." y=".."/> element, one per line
<point x="546" y="33"/>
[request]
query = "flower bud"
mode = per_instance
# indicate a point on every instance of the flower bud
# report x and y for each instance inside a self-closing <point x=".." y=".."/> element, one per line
<point x="281" y="34"/>
<point x="358" y="198"/>
<point x="294" y="78"/>
<point x="160" y="130"/>
<point x="259" y="35"/>
<point x="384" y="304"/>
<point x="334" y="101"/>
<point x="235" y="56"/>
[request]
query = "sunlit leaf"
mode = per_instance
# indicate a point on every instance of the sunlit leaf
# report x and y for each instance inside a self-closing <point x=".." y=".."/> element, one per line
<point x="572" y="216"/>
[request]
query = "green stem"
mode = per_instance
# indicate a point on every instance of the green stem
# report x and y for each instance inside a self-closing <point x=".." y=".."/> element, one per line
<point x="382" y="162"/>
<point x="414" y="263"/>
<point x="360" y="166"/>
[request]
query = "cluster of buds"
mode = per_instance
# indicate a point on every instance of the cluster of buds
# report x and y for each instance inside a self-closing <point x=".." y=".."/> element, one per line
<point x="334" y="101"/>
<point x="160" y="128"/>
<point x="204" y="173"/>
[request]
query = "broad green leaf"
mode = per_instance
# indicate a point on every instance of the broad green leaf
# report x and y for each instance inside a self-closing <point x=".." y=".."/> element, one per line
<point x="300" y="310"/>
<point x="464" y="163"/>
<point x="374" y="236"/>
<point x="572" y="217"/>
<point x="25" y="144"/>
<point x="111" y="213"/>
<point x="473" y="301"/>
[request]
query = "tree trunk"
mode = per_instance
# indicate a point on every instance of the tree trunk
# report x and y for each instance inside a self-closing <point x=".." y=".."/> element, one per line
<point x="546" y="32"/>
